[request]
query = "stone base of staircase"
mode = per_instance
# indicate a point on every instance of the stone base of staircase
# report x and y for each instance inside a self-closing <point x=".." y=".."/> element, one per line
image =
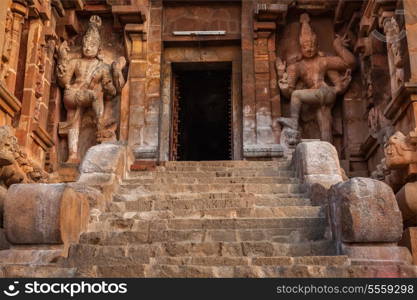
<point x="204" y="219"/>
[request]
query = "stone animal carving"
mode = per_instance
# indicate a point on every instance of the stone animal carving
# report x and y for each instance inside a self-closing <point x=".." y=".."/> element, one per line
<point x="399" y="151"/>
<point x="312" y="69"/>
<point x="15" y="167"/>
<point x="88" y="82"/>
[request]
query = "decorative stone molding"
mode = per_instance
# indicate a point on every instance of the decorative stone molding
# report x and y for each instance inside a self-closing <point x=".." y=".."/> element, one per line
<point x="8" y="102"/>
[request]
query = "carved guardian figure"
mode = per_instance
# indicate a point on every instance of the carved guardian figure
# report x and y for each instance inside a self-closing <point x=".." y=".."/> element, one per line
<point x="312" y="69"/>
<point x="88" y="82"/>
<point x="399" y="152"/>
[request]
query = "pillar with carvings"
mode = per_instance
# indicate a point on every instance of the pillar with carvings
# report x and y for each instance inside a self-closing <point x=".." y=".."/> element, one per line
<point x="261" y="129"/>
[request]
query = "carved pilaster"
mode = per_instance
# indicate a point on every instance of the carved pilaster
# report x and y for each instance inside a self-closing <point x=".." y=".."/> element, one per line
<point x="266" y="107"/>
<point x="136" y="50"/>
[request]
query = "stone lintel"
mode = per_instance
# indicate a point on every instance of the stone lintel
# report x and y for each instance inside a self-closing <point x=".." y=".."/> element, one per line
<point x="401" y="101"/>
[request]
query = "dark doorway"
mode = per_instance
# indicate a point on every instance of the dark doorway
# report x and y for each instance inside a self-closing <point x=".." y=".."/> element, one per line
<point x="203" y="106"/>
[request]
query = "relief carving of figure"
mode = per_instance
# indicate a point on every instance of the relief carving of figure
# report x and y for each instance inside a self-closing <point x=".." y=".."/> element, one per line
<point x="88" y="82"/>
<point x="393" y="33"/>
<point x="312" y="69"/>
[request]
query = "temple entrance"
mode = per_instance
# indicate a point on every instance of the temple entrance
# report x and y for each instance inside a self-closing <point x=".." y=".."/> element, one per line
<point x="201" y="115"/>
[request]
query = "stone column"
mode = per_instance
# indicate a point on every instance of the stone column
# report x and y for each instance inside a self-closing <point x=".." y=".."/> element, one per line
<point x="153" y="83"/>
<point x="4" y="6"/>
<point x="248" y="80"/>
<point x="12" y="43"/>
<point x="32" y="132"/>
<point x="261" y="131"/>
<point x="264" y="32"/>
<point x="137" y="86"/>
<point x="410" y="9"/>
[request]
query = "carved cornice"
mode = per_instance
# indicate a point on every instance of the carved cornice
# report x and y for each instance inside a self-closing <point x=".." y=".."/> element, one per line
<point x="275" y="12"/>
<point x="8" y="102"/>
<point x="398" y="105"/>
<point x="42" y="137"/>
<point x="128" y="14"/>
<point x="77" y="4"/>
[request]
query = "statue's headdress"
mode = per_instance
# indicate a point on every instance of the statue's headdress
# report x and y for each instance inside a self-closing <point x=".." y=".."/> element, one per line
<point x="307" y="33"/>
<point x="93" y="33"/>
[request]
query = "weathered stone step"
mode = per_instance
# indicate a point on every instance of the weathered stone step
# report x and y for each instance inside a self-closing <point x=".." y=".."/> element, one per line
<point x="209" y="180"/>
<point x="231" y="163"/>
<point x="242" y="202"/>
<point x="295" y="271"/>
<point x="203" y="235"/>
<point x="86" y="254"/>
<point x="340" y="260"/>
<point x="196" y="271"/>
<point x="227" y="163"/>
<point x="122" y="224"/>
<point x="268" y="171"/>
<point x="36" y="271"/>
<point x="210" y="196"/>
<point x="216" y="174"/>
<point x="261" y="212"/>
<point x="29" y="256"/>
<point x="206" y="188"/>
<point x="199" y="271"/>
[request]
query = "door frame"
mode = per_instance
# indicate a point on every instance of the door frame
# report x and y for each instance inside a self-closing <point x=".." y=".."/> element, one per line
<point x="209" y="54"/>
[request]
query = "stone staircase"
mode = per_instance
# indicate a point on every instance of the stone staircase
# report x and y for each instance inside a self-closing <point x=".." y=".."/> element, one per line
<point x="202" y="219"/>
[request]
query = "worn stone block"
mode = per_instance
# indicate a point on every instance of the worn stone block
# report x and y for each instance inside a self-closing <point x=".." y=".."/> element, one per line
<point x="407" y="202"/>
<point x="364" y="210"/>
<point x="317" y="162"/>
<point x="409" y="240"/>
<point x="103" y="158"/>
<point x="44" y="214"/>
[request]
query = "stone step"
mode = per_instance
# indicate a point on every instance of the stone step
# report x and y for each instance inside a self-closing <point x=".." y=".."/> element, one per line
<point x="206" y="188"/>
<point x="36" y="271"/>
<point x="210" y="196"/>
<point x="209" y="180"/>
<point x="201" y="204"/>
<point x="254" y="271"/>
<point x="107" y="255"/>
<point x="196" y="271"/>
<point x="294" y="271"/>
<point x="215" y="213"/>
<point x="225" y="163"/>
<point x="215" y="174"/>
<point x="122" y="224"/>
<point x="147" y="236"/>
<point x="340" y="260"/>
<point x="225" y="171"/>
<point x="29" y="256"/>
